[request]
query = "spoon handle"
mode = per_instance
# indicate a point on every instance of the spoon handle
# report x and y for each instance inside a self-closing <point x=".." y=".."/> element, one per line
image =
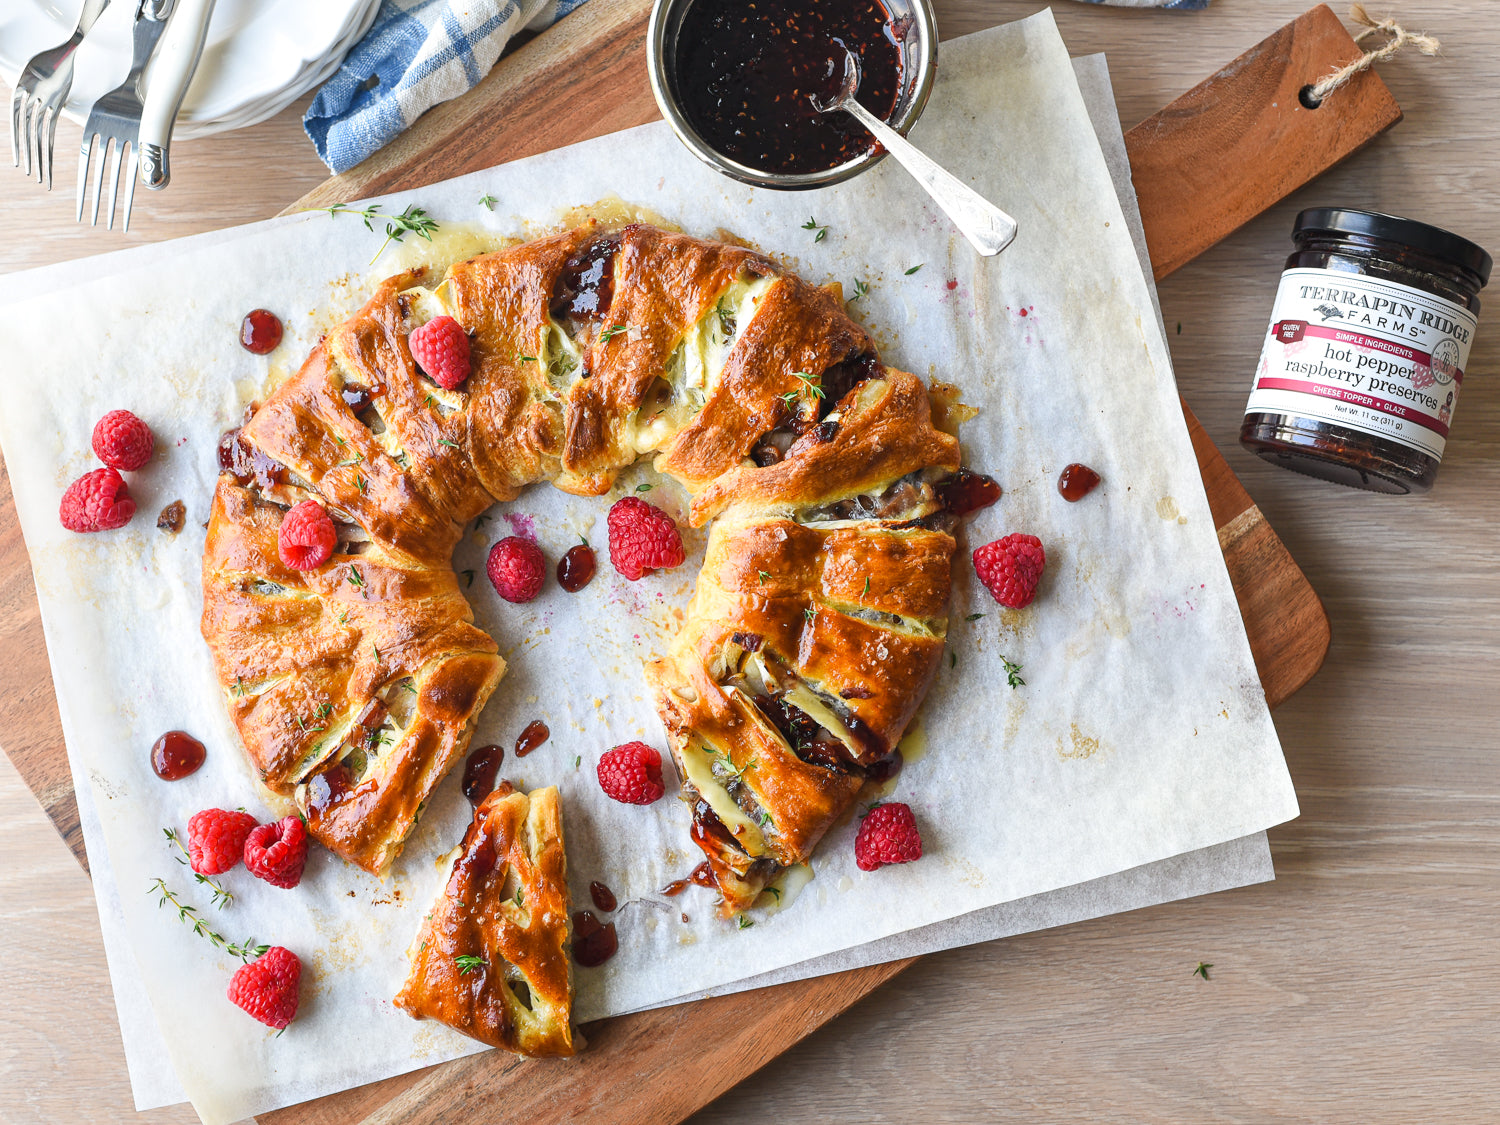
<point x="987" y="228"/>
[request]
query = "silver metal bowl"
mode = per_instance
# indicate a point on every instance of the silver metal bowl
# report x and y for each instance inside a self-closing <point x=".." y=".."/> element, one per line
<point x="918" y="58"/>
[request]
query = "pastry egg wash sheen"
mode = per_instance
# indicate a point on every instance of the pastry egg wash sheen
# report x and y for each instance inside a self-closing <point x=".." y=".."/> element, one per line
<point x="820" y="616"/>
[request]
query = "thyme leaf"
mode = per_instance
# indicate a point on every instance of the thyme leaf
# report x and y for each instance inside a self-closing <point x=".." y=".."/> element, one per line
<point x="813" y="225"/>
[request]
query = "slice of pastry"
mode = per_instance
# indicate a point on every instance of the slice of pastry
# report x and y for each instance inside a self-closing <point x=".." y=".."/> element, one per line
<point x="491" y="959"/>
<point x="816" y="628"/>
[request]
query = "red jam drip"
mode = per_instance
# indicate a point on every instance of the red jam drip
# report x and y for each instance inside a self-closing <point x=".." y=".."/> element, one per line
<point x="480" y="770"/>
<point x="586" y="286"/>
<point x="811" y="742"/>
<point x="171" y="517"/>
<point x="1076" y="482"/>
<point x="841" y="378"/>
<point x="534" y="735"/>
<point x="603" y="897"/>
<point x="176" y="754"/>
<point x="825" y="431"/>
<point x="371" y="718"/>
<point x="745" y="73"/>
<point x="260" y="331"/>
<point x="478" y="860"/>
<point x="966" y="492"/>
<point x="701" y="876"/>
<point x="594" y="942"/>
<point x="883" y="769"/>
<point x="357" y="398"/>
<point x="576" y="568"/>
<point x="327" y="789"/>
<point x="247" y="463"/>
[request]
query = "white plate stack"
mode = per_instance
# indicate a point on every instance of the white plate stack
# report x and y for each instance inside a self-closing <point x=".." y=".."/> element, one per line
<point x="261" y="55"/>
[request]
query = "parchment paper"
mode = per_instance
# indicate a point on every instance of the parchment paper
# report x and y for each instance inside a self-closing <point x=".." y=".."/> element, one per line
<point x="1142" y="732"/>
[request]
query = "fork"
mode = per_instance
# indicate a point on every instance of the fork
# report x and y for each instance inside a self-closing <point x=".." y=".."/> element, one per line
<point x="116" y="120"/>
<point x="40" y="93"/>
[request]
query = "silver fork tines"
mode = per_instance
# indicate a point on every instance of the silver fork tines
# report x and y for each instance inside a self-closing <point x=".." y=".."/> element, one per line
<point x="111" y="149"/>
<point x="115" y="121"/>
<point x="41" y="90"/>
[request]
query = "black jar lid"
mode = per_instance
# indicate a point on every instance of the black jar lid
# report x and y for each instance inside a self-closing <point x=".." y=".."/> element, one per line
<point x="1427" y="239"/>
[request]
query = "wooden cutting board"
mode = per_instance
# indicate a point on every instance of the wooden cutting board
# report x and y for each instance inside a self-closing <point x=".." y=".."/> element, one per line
<point x="1203" y="166"/>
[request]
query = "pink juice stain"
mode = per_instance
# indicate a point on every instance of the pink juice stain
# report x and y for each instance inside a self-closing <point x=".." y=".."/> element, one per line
<point x="521" y="525"/>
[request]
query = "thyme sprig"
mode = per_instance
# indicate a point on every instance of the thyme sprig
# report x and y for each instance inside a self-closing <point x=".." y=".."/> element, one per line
<point x="860" y="290"/>
<point x="414" y="220"/>
<point x="468" y="963"/>
<point x="221" y="896"/>
<point x="1012" y="673"/>
<point x="245" y="951"/>
<point x="791" y="397"/>
<point x="1202" y="969"/>
<point x="814" y="225"/>
<point x="728" y="763"/>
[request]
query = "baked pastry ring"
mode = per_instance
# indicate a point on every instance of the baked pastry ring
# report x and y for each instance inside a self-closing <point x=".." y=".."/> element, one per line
<point x="820" y="614"/>
<point x="491" y="957"/>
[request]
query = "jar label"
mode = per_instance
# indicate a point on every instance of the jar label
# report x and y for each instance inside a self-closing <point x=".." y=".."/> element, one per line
<point x="1372" y="355"/>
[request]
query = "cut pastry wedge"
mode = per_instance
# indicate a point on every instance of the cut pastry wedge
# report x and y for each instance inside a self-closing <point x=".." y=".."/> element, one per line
<point x="491" y="959"/>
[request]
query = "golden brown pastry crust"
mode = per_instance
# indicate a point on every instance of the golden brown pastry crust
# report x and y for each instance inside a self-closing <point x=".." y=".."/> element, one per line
<point x="820" y="613"/>
<point x="492" y="956"/>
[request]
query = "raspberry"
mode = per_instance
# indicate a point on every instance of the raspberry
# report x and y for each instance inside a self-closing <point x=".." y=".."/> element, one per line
<point x="888" y="834"/>
<point x="631" y="773"/>
<point x="642" y="538"/>
<point x="122" y="441"/>
<point x="267" y="987"/>
<point x="276" y="852"/>
<point x="216" y="839"/>
<point x="97" y="501"/>
<point x="307" y="537"/>
<point x="442" y="348"/>
<point x="516" y="569"/>
<point x="1010" y="568"/>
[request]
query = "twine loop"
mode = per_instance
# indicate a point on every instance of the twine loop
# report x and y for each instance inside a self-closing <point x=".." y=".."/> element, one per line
<point x="1397" y="37"/>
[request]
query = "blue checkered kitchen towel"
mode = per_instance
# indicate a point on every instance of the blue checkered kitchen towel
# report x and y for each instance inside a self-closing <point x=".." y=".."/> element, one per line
<point x="422" y="52"/>
<point x="416" y="54"/>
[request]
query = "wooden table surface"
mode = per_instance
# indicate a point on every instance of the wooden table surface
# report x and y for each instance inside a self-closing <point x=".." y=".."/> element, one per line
<point x="1361" y="986"/>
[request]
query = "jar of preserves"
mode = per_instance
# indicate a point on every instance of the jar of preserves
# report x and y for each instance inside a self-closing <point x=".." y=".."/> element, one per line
<point x="1369" y="341"/>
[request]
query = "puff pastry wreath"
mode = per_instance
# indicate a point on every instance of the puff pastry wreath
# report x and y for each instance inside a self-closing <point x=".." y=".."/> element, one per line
<point x="820" y="613"/>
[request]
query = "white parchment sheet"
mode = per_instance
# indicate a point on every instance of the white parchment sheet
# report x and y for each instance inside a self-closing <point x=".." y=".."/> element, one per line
<point x="1141" y="734"/>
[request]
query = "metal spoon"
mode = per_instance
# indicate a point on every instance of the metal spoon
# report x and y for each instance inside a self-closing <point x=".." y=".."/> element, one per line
<point x="987" y="228"/>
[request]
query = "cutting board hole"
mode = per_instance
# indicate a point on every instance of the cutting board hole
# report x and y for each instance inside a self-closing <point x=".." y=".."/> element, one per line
<point x="1307" y="98"/>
